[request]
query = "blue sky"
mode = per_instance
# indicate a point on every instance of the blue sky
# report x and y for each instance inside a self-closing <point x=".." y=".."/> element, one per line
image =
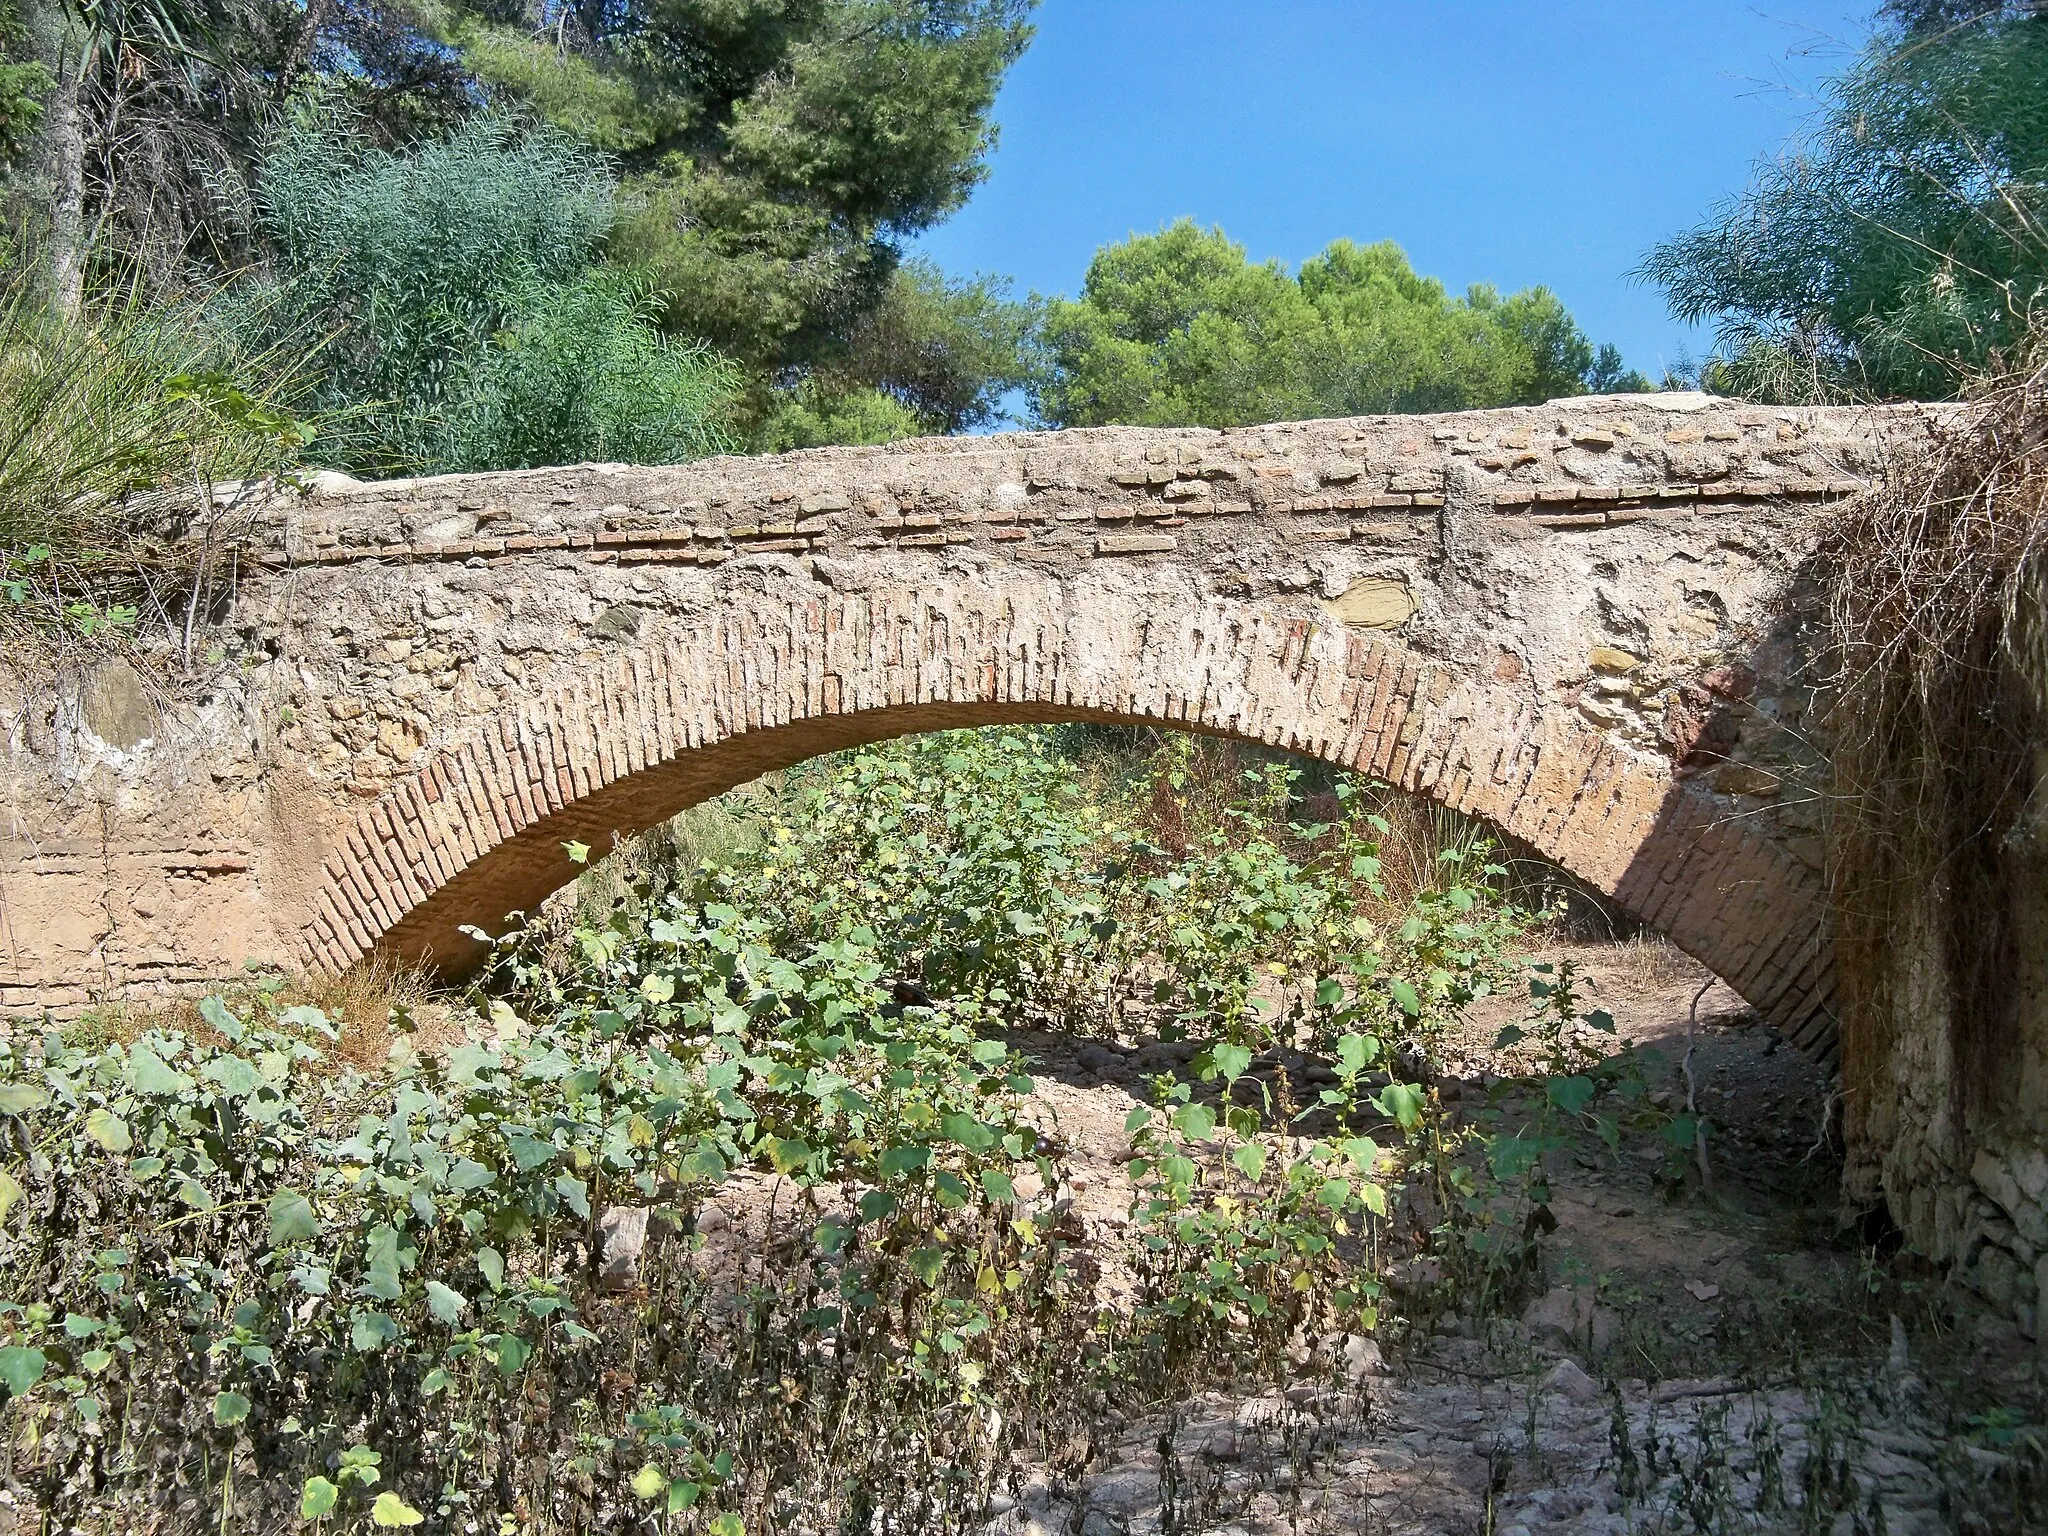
<point x="1503" y="141"/>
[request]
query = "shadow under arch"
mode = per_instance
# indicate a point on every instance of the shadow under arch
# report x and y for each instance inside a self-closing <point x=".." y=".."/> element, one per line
<point x="767" y="682"/>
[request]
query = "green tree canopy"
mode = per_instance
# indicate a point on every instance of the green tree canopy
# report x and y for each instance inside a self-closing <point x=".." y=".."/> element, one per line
<point x="24" y="82"/>
<point x="1901" y="241"/>
<point x="776" y="152"/>
<point x="946" y="349"/>
<point x="1179" y="327"/>
<point x="764" y="163"/>
<point x="461" y="318"/>
<point x="774" y="155"/>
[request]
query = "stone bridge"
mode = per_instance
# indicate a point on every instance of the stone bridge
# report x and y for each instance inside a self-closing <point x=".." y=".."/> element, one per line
<point x="1579" y="622"/>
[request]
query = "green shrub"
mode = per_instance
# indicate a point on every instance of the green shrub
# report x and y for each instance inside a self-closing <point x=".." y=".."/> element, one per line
<point x="360" y="1288"/>
<point x="1278" y="931"/>
<point x="809" y="416"/>
<point x="302" y="1290"/>
<point x="970" y="858"/>
<point x="581" y="373"/>
<point x="24" y="83"/>
<point x="984" y="866"/>
<point x="1249" y="1241"/>
<point x="462" y="318"/>
<point x="1566" y="1087"/>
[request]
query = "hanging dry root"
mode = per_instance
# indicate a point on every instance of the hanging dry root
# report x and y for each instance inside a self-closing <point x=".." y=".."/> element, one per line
<point x="1934" y="586"/>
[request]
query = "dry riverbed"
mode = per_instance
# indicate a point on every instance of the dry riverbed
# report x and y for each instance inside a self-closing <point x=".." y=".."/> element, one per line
<point x="1683" y="1359"/>
<point x="1683" y="1362"/>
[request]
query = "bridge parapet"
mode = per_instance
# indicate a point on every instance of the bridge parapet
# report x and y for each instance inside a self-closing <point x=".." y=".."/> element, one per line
<point x="1382" y="482"/>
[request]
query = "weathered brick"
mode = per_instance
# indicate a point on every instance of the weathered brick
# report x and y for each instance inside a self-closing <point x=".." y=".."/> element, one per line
<point x="1134" y="543"/>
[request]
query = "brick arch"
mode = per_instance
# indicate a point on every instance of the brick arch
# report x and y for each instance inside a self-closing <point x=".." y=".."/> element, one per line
<point x="675" y="718"/>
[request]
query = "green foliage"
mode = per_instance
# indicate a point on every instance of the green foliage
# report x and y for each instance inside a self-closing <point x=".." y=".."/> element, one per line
<point x="464" y="320"/>
<point x="1247" y="1238"/>
<point x="778" y="151"/>
<point x="1267" y="945"/>
<point x="582" y="373"/>
<point x="685" y="1470"/>
<point x="133" y="402"/>
<point x="24" y="83"/>
<point x="1179" y="328"/>
<point x="948" y="348"/>
<point x="313" y="1251"/>
<point x="807" y="416"/>
<point x="1899" y="245"/>
<point x="983" y="868"/>
<point x="1564" y="1085"/>
<point x="969" y="857"/>
<point x="986" y="878"/>
<point x="935" y="355"/>
<point x="791" y="1057"/>
<point x="380" y="1289"/>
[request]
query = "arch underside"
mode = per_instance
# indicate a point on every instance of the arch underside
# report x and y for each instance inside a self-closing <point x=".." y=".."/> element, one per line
<point x="679" y="717"/>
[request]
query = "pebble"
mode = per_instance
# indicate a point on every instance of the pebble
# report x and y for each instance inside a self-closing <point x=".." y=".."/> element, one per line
<point x="621" y="1238"/>
<point x="1362" y="1359"/>
<point x="1561" y="1315"/>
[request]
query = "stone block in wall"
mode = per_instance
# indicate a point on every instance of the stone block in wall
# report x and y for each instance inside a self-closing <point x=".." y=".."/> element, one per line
<point x="2004" y="1177"/>
<point x="1996" y="1277"/>
<point x="2040" y="1290"/>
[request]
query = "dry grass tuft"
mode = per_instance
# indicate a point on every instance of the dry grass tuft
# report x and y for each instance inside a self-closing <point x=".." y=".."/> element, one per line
<point x="363" y="1002"/>
<point x="1647" y="962"/>
<point x="360" y="1004"/>
<point x="136" y="451"/>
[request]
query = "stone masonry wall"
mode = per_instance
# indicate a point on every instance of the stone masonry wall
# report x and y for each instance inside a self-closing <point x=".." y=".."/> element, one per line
<point x="1966" y="1181"/>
